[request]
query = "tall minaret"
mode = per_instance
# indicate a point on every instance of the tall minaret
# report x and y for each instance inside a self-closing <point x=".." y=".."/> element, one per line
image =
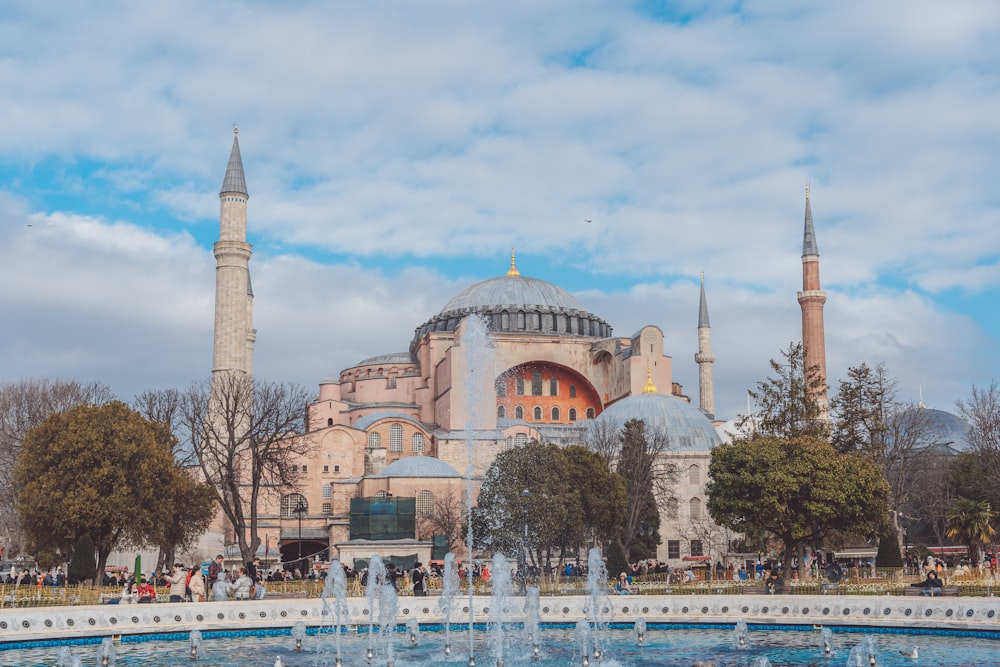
<point x="234" y="332"/>
<point x="704" y="358"/>
<point x="811" y="300"/>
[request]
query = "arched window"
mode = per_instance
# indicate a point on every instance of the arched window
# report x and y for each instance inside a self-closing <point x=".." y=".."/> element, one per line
<point x="329" y="422"/>
<point x="520" y="440"/>
<point x="694" y="509"/>
<point x="417" y="443"/>
<point x="374" y="440"/>
<point x="694" y="475"/>
<point x="553" y="386"/>
<point x="555" y="414"/>
<point x="572" y="414"/>
<point x="501" y="412"/>
<point x="501" y="386"/>
<point x="290" y="503"/>
<point x="395" y="438"/>
<point x="572" y="391"/>
<point x="673" y="508"/>
<point x="519" y="412"/>
<point x="425" y="503"/>
<point x="536" y="382"/>
<point x="519" y="385"/>
<point x="381" y="494"/>
<point x="537" y="413"/>
<point x="509" y="442"/>
<point x="590" y="413"/>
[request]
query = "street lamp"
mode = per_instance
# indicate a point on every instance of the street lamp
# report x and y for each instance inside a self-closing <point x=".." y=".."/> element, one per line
<point x="300" y="509"/>
<point x="523" y="566"/>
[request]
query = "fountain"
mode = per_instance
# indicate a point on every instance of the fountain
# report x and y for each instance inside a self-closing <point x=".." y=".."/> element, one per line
<point x="195" y="651"/>
<point x="106" y="653"/>
<point x="640" y="631"/>
<point x="449" y="590"/>
<point x="502" y="591"/>
<point x="66" y="658"/>
<point x="599" y="605"/>
<point x="864" y="654"/>
<point x="477" y="351"/>
<point x="741" y="634"/>
<point x="532" y="619"/>
<point x="335" y="587"/>
<point x="299" y="635"/>
<point x="376" y="580"/>
<point x="826" y="641"/>
<point x="583" y="641"/>
<point x="413" y="631"/>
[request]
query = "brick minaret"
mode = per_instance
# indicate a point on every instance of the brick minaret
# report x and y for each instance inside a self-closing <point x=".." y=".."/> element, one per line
<point x="704" y="358"/>
<point x="811" y="300"/>
<point x="234" y="332"/>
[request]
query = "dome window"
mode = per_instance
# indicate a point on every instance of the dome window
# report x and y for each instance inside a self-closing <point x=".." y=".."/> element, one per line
<point x="374" y="440"/>
<point x="395" y="438"/>
<point x="555" y="414"/>
<point x="572" y="414"/>
<point x="417" y="443"/>
<point x="538" y="414"/>
<point x="519" y="412"/>
<point x="590" y="413"/>
<point x="501" y="412"/>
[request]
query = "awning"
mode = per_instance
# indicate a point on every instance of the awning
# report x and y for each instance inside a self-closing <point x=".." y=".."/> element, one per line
<point x="292" y="534"/>
<point x="691" y="559"/>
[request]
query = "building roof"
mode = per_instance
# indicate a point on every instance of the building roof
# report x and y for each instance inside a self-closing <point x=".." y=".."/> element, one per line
<point x="235" y="181"/>
<point x="417" y="466"/>
<point x="513" y="291"/>
<point x="391" y="358"/>
<point x="687" y="428"/>
<point x="364" y="422"/>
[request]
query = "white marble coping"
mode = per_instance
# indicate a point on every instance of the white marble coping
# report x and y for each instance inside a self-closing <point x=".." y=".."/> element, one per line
<point x="945" y="613"/>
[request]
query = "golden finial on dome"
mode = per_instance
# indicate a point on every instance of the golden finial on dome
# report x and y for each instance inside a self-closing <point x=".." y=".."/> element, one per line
<point x="650" y="388"/>
<point x="512" y="271"/>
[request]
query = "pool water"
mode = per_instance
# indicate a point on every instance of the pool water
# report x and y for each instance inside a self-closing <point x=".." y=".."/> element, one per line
<point x="665" y="645"/>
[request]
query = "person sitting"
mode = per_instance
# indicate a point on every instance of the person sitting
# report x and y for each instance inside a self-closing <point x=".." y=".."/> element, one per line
<point x="931" y="585"/>
<point x="147" y="594"/>
<point x="222" y="589"/>
<point x="622" y="586"/>
<point x="241" y="589"/>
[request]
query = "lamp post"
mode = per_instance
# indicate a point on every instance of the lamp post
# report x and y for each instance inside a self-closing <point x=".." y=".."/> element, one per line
<point x="300" y="509"/>
<point x="523" y="566"/>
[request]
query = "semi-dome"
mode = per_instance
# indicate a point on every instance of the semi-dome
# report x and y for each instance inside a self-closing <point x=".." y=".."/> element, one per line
<point x="687" y="428"/>
<point x="518" y="304"/>
<point x="418" y="466"/>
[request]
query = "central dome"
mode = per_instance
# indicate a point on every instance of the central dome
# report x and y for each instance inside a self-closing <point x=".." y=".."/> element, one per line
<point x="517" y="304"/>
<point x="513" y="292"/>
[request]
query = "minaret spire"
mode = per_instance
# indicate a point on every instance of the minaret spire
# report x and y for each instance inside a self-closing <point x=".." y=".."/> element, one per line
<point x="811" y="301"/>
<point x="704" y="358"/>
<point x="234" y="333"/>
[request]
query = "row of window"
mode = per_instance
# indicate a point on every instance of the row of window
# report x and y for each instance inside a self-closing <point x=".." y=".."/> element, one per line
<point x="536" y="412"/>
<point x="396" y="440"/>
<point x="294" y="503"/>
<point x="425" y="501"/>
<point x="674" y="548"/>
<point x="537" y="384"/>
<point x="694" y="508"/>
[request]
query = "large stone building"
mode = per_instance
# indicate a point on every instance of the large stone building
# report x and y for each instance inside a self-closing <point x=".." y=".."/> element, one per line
<point x="405" y="423"/>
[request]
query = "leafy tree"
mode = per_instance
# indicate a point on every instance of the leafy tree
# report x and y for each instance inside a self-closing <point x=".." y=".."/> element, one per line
<point x="244" y="434"/>
<point x="970" y="522"/>
<point x="899" y="439"/>
<point x="797" y="489"/>
<point x="83" y="565"/>
<point x="639" y="460"/>
<point x="602" y="494"/>
<point x="24" y="405"/>
<point x="786" y="403"/>
<point x="104" y="471"/>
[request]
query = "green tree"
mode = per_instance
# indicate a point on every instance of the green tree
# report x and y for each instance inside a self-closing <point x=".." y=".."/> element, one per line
<point x="639" y="460"/>
<point x="888" y="554"/>
<point x="83" y="565"/>
<point x="602" y="494"/>
<point x="103" y="471"/>
<point x="797" y="489"/>
<point x="970" y="522"/>
<point x="786" y="403"/>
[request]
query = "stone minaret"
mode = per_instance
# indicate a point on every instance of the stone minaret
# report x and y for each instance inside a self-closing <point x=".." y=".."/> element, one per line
<point x="811" y="300"/>
<point x="704" y="358"/>
<point x="234" y="332"/>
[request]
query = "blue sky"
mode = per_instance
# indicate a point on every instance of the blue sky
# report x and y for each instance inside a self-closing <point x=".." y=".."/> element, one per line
<point x="395" y="152"/>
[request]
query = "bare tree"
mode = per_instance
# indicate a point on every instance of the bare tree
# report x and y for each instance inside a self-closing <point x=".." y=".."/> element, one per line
<point x="445" y="518"/>
<point x="24" y="405"/>
<point x="982" y="411"/>
<point x="244" y="433"/>
<point x="165" y="406"/>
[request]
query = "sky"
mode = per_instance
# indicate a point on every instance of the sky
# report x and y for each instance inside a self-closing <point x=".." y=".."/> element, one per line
<point x="395" y="152"/>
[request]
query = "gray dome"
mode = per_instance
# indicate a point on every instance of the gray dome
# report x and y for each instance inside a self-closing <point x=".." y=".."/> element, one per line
<point x="517" y="304"/>
<point x="418" y="466"/>
<point x="946" y="428"/>
<point x="514" y="292"/>
<point x="392" y="358"/>
<point x="687" y="428"/>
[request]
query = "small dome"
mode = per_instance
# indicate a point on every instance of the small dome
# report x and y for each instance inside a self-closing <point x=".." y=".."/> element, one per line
<point x="392" y="358"/>
<point x="945" y="428"/>
<point x="418" y="466"/>
<point x="687" y="428"/>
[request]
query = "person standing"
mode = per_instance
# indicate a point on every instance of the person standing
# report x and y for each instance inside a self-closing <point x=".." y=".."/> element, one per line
<point x="177" y="581"/>
<point x="196" y="584"/>
<point x="419" y="579"/>
<point x="214" y="569"/>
